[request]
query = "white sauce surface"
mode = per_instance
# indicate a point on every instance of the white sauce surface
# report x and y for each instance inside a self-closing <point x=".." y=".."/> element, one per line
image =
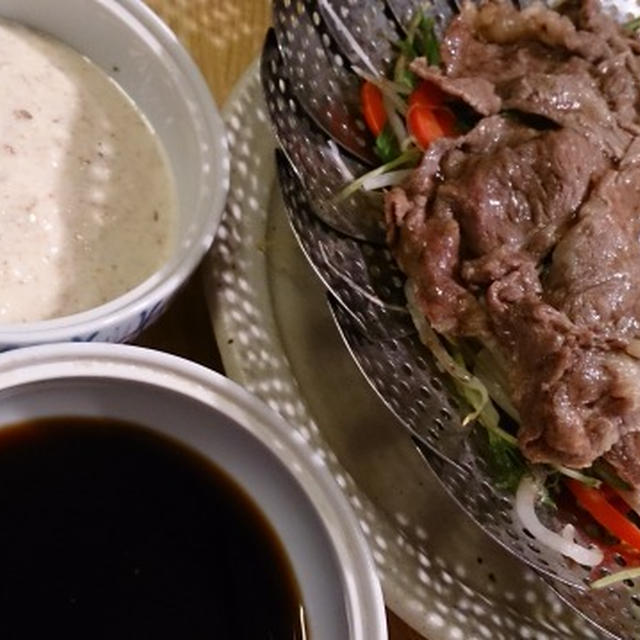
<point x="87" y="204"/>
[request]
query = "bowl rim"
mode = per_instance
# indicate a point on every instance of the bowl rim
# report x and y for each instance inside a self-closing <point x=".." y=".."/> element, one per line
<point x="167" y="279"/>
<point x="363" y="594"/>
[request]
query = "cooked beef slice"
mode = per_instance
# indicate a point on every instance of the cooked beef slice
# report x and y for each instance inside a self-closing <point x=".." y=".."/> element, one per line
<point x="428" y="246"/>
<point x="478" y="93"/>
<point x="558" y="374"/>
<point x="514" y="198"/>
<point x="571" y="100"/>
<point x="528" y="236"/>
<point x="619" y="81"/>
<point x="471" y="49"/>
<point x="510" y="197"/>
<point x="624" y="456"/>
<point x="584" y="74"/>
<point x="594" y="276"/>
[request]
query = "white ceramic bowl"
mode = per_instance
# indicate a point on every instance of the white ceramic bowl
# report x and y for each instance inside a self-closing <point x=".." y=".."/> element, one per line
<point x="128" y="41"/>
<point x="213" y="415"/>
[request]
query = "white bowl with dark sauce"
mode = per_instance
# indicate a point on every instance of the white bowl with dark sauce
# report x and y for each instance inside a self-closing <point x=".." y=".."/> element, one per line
<point x="67" y="462"/>
<point x="113" y="170"/>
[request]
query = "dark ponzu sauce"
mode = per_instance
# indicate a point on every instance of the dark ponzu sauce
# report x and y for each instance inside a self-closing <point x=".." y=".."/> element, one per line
<point x="110" y="531"/>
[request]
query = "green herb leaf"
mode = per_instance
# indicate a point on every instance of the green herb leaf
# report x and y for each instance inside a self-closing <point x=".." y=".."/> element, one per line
<point x="606" y="472"/>
<point x="407" y="78"/>
<point x="406" y="45"/>
<point x="547" y="501"/>
<point x="506" y="464"/>
<point x="552" y="486"/>
<point x="387" y="146"/>
<point x="632" y="25"/>
<point x="407" y="49"/>
<point x="426" y="42"/>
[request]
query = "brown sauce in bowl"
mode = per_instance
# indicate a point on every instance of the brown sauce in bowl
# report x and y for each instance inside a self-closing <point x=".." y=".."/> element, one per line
<point x="109" y="530"/>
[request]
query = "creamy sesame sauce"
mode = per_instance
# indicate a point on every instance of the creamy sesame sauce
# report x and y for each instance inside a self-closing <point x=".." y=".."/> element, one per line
<point x="87" y="204"/>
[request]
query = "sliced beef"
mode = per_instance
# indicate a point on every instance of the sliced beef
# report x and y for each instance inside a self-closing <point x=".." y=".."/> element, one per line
<point x="571" y="100"/>
<point x="495" y="265"/>
<point x="619" y="80"/>
<point x="503" y="23"/>
<point x="576" y="390"/>
<point x="501" y="188"/>
<point x="448" y="305"/>
<point x="466" y="52"/>
<point x="557" y="371"/>
<point x="527" y="232"/>
<point x="478" y="93"/>
<point x="588" y="16"/>
<point x="428" y="247"/>
<point x="509" y="197"/>
<point x="624" y="456"/>
<point x="578" y="68"/>
<point x="595" y="273"/>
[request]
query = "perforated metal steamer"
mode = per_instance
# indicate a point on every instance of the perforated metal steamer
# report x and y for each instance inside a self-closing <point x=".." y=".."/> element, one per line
<point x="311" y="91"/>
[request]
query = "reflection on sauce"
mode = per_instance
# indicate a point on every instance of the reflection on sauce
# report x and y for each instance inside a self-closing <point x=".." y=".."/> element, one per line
<point x="110" y="531"/>
<point x="87" y="205"/>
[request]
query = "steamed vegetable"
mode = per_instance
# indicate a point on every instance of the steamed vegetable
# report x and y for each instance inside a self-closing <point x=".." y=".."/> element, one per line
<point x="474" y="392"/>
<point x="428" y="118"/>
<point x="619" y="576"/>
<point x="387" y="147"/>
<point x="373" y="108"/>
<point x="404" y="115"/>
<point x="526" y="499"/>
<point x="632" y="25"/>
<point x="595" y="502"/>
<point x="407" y="158"/>
<point x="428" y="96"/>
<point x="506" y="463"/>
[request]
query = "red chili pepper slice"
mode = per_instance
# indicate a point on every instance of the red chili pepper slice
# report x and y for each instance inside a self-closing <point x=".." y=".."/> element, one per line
<point x="373" y="109"/>
<point x="594" y="502"/>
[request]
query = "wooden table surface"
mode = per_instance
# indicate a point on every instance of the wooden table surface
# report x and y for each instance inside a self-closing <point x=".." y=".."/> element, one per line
<point x="223" y="38"/>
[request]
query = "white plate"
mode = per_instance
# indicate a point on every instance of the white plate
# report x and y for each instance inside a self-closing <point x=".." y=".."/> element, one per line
<point x="440" y="573"/>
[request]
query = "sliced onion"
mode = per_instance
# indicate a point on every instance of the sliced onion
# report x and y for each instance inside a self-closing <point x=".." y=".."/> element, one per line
<point x="568" y="532"/>
<point x="390" y="179"/>
<point x="339" y="162"/>
<point x="619" y="576"/>
<point x="395" y="121"/>
<point x="410" y="156"/>
<point x="526" y="497"/>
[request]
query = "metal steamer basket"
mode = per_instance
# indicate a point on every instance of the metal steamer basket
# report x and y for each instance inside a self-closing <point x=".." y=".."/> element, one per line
<point x="311" y="91"/>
